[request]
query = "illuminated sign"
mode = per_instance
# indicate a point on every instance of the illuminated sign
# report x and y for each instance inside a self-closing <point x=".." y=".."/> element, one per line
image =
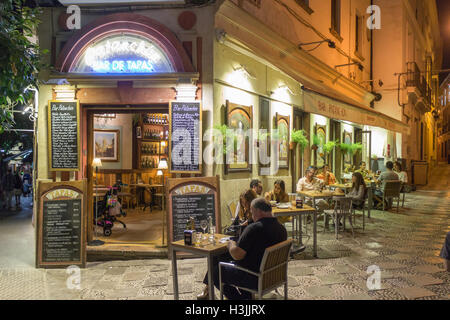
<point x="123" y="54"/>
<point x="122" y="66"/>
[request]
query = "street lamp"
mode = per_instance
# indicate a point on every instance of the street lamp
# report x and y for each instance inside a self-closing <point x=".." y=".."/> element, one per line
<point x="96" y="164"/>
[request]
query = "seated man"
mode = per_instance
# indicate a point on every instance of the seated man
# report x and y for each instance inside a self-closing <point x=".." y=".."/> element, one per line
<point x="256" y="185"/>
<point x="388" y="175"/>
<point x="265" y="232"/>
<point x="310" y="183"/>
<point x="326" y="176"/>
<point x="445" y="252"/>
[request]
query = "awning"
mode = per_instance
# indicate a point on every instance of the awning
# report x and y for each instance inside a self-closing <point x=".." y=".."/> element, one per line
<point x="336" y="107"/>
<point x="19" y="156"/>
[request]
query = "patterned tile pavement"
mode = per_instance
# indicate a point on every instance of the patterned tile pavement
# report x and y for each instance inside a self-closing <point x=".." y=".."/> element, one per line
<point x="403" y="246"/>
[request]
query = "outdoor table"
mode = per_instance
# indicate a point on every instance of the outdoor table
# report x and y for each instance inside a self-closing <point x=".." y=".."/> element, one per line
<point x="298" y="212"/>
<point x="208" y="251"/>
<point x="319" y="195"/>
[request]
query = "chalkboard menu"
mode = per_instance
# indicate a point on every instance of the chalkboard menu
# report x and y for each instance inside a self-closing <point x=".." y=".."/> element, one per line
<point x="192" y="197"/>
<point x="61" y="225"/>
<point x="64" y="138"/>
<point x="61" y="240"/>
<point x="185" y="137"/>
<point x="198" y="206"/>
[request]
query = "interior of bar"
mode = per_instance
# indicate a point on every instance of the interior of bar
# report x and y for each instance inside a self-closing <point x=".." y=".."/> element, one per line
<point x="130" y="161"/>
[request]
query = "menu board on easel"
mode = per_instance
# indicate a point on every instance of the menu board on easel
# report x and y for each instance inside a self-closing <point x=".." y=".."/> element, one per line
<point x="192" y="197"/>
<point x="64" y="135"/>
<point x="61" y="223"/>
<point x="185" y="143"/>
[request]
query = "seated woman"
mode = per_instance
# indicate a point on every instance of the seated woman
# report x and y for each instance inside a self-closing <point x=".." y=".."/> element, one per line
<point x="326" y="176"/>
<point x="358" y="191"/>
<point x="279" y="195"/>
<point x="402" y="175"/>
<point x="244" y="216"/>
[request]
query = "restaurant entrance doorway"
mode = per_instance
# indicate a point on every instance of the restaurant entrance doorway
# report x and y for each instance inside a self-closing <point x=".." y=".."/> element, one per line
<point x="127" y="151"/>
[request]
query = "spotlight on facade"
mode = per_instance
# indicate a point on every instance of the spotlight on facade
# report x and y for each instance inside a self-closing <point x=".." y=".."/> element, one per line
<point x="331" y="44"/>
<point x="243" y="71"/>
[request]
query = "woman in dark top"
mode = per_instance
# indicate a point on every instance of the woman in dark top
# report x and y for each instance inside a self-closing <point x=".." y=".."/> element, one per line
<point x="358" y="191"/>
<point x="244" y="217"/>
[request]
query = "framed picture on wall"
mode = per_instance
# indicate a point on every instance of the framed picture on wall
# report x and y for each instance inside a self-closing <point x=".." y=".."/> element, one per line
<point x="283" y="125"/>
<point x="321" y="132"/>
<point x="106" y="145"/>
<point x="239" y="118"/>
<point x="138" y="132"/>
<point x="348" y="140"/>
<point x="106" y="115"/>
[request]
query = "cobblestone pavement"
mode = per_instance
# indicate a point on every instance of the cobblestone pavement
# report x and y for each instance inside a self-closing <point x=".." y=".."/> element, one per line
<point x="405" y="246"/>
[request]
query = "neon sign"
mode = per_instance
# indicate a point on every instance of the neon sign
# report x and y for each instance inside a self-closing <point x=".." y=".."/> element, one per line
<point x="123" y="54"/>
<point x="123" y="66"/>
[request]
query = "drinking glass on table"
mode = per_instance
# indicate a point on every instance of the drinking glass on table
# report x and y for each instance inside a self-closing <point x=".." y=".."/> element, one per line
<point x="198" y="239"/>
<point x="204" y="225"/>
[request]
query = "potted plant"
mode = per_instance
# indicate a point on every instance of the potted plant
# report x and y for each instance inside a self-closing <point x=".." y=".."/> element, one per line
<point x="298" y="137"/>
<point x="329" y="146"/>
<point x="261" y="137"/>
<point x="345" y="147"/>
<point x="315" y="142"/>
<point x="355" y="147"/>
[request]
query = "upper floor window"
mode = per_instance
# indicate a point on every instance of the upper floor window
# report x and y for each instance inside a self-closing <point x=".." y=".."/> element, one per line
<point x="336" y="19"/>
<point x="358" y="35"/>
<point x="305" y="5"/>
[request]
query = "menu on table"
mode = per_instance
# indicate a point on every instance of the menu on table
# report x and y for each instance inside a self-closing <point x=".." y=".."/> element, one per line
<point x="185" y="133"/>
<point x="63" y="118"/>
<point x="198" y="206"/>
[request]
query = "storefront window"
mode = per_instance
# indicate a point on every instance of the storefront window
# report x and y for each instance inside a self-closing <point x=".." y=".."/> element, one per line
<point x="123" y="54"/>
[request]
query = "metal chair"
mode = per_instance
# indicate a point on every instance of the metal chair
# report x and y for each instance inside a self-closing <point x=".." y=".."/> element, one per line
<point x="273" y="270"/>
<point x="362" y="207"/>
<point x="392" y="190"/>
<point x="406" y="188"/>
<point x="342" y="208"/>
<point x="231" y="207"/>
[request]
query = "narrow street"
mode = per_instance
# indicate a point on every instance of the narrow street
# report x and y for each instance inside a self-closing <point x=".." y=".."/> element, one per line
<point x="405" y="246"/>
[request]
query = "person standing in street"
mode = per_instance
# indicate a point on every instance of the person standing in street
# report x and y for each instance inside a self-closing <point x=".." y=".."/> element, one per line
<point x="18" y="188"/>
<point x="8" y="188"/>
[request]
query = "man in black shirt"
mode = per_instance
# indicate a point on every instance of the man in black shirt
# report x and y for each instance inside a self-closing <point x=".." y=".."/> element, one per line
<point x="248" y="252"/>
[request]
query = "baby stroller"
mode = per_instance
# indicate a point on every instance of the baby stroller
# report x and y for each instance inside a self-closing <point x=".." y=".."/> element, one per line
<point x="110" y="209"/>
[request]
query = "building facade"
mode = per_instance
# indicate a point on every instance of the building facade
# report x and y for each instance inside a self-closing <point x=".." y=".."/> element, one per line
<point x="408" y="61"/>
<point x="443" y="123"/>
<point x="273" y="65"/>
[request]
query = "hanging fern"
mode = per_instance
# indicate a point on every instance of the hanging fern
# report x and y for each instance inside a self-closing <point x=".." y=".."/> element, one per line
<point x="355" y="147"/>
<point x="299" y="137"/>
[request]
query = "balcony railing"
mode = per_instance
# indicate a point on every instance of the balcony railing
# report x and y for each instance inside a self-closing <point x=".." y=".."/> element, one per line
<point x="414" y="78"/>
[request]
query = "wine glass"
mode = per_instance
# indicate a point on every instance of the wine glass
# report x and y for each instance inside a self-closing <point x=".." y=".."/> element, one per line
<point x="204" y="225"/>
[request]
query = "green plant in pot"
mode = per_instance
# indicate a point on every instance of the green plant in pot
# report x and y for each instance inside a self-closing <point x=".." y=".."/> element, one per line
<point x="345" y="147"/>
<point x="298" y="137"/>
<point x="262" y="137"/>
<point x="315" y="142"/>
<point x="221" y="139"/>
<point x="329" y="146"/>
<point x="355" y="147"/>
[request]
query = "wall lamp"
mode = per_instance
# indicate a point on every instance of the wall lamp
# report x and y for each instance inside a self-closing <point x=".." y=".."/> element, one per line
<point x="331" y="44"/>
<point x="243" y="70"/>
<point x="286" y="87"/>
<point x="380" y="83"/>
<point x="360" y="66"/>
